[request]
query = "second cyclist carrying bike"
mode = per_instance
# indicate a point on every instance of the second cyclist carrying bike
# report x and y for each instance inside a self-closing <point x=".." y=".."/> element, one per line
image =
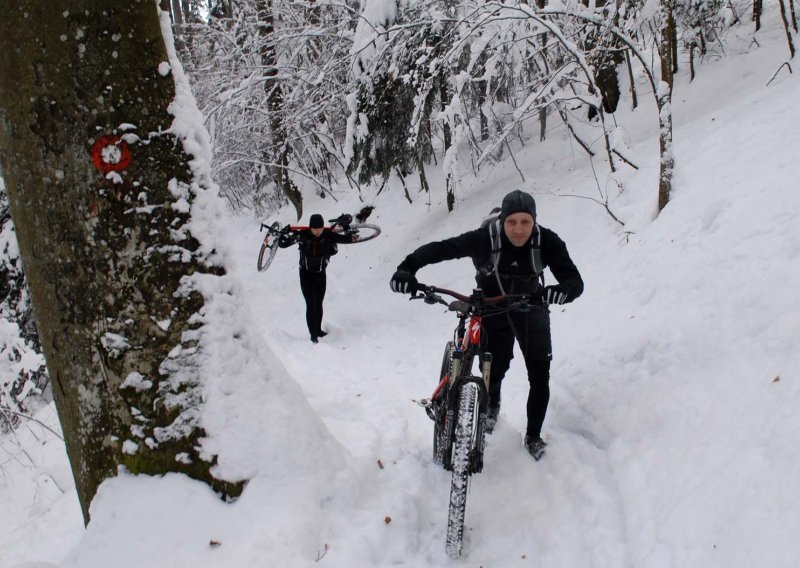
<point x="317" y="245"/>
<point x="510" y="253"/>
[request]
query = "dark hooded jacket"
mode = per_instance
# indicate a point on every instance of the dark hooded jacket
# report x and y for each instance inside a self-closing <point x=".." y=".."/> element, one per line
<point x="315" y="252"/>
<point x="515" y="270"/>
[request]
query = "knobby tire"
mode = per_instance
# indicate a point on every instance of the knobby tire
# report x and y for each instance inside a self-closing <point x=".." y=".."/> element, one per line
<point x="466" y="434"/>
<point x="268" y="249"/>
<point x="364" y="232"/>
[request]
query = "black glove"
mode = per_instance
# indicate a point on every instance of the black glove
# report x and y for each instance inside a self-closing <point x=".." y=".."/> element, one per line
<point x="403" y="282"/>
<point x="287" y="229"/>
<point x="555" y="295"/>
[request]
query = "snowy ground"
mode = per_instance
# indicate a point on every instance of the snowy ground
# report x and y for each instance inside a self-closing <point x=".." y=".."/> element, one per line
<point x="675" y="382"/>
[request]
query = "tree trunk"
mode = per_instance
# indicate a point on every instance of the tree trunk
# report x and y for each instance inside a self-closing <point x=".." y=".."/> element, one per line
<point x="281" y="149"/>
<point x="631" y="80"/>
<point x="664" y="104"/>
<point x="101" y="196"/>
<point x="444" y="100"/>
<point x="786" y="28"/>
<point x="758" y="6"/>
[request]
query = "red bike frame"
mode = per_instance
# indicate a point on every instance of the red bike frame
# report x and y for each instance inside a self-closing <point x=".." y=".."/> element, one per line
<point x="471" y="337"/>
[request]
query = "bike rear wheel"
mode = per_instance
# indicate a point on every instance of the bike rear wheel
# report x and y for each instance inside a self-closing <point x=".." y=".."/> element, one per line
<point x="363" y="232"/>
<point x="466" y="434"/>
<point x="268" y="248"/>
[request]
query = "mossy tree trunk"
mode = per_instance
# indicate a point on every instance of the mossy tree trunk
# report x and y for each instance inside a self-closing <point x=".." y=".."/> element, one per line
<point x="100" y="196"/>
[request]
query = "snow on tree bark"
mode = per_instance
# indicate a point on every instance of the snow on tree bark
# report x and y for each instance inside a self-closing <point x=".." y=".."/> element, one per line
<point x="102" y="193"/>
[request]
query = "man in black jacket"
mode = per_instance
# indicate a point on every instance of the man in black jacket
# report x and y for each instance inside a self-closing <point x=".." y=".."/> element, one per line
<point x="510" y="254"/>
<point x="317" y="244"/>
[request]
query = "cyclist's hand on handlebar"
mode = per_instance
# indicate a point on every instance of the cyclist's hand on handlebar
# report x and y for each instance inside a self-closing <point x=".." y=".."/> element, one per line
<point x="403" y="282"/>
<point x="555" y="295"/>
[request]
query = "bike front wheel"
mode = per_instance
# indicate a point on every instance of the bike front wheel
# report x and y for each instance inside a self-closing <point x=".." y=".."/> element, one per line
<point x="466" y="434"/>
<point x="268" y="248"/>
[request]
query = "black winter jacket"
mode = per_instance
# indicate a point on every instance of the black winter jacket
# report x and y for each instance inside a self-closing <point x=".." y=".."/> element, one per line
<point x="515" y="269"/>
<point x="315" y="252"/>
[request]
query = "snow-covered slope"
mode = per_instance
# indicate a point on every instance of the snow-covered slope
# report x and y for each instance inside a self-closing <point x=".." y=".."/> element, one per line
<point x="675" y="381"/>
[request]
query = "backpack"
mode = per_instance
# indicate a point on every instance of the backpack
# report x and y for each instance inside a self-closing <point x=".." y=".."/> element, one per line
<point x="489" y="267"/>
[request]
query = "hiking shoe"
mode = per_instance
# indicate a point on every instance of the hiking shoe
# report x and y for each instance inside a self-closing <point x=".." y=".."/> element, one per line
<point x="491" y="418"/>
<point x="535" y="447"/>
<point x="322" y="333"/>
<point x="314" y="339"/>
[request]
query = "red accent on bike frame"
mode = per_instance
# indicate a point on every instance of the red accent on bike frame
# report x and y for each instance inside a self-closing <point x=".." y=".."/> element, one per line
<point x="303" y="228"/>
<point x="440" y="386"/>
<point x="473" y="335"/>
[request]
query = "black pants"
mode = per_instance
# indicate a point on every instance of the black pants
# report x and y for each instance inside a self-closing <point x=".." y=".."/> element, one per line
<point x="532" y="332"/>
<point x="313" y="286"/>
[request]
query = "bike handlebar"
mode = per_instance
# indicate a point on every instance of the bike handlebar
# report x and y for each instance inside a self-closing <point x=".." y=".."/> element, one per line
<point x="464" y="303"/>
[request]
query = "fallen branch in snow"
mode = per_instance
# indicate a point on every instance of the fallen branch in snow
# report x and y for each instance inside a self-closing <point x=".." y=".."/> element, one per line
<point x="785" y="63"/>
<point x="626" y="160"/>
<point x="321" y="554"/>
<point x="31" y="418"/>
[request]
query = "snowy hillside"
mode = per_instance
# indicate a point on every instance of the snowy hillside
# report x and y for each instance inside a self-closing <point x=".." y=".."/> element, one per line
<point x="675" y="380"/>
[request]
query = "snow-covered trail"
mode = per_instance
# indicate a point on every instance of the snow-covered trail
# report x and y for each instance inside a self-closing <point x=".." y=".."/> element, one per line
<point x="382" y="353"/>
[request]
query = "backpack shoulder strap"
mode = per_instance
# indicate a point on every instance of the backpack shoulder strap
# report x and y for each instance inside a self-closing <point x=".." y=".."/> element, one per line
<point x="536" y="254"/>
<point x="494" y="238"/>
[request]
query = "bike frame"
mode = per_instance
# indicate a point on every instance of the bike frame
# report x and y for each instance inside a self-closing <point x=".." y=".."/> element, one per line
<point x="466" y="348"/>
<point x="304" y="227"/>
<point x="467" y="342"/>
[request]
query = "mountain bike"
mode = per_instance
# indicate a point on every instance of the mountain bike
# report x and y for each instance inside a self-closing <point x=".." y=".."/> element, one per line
<point x="458" y="405"/>
<point x="359" y="232"/>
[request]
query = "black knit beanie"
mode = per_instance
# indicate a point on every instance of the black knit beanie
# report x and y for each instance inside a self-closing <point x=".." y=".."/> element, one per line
<point x="316" y="222"/>
<point x="517" y="202"/>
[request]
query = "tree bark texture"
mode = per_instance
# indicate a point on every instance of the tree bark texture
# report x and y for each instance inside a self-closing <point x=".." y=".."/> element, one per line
<point x="758" y="7"/>
<point x="786" y="28"/>
<point x="99" y="192"/>
<point x="664" y="104"/>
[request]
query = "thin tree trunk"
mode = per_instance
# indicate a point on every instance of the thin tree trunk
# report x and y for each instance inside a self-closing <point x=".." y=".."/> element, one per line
<point x="786" y="27"/>
<point x="634" y="100"/>
<point x="758" y="7"/>
<point x="281" y="149"/>
<point x="664" y="104"/>
<point x="672" y="28"/>
<point x="444" y="100"/>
